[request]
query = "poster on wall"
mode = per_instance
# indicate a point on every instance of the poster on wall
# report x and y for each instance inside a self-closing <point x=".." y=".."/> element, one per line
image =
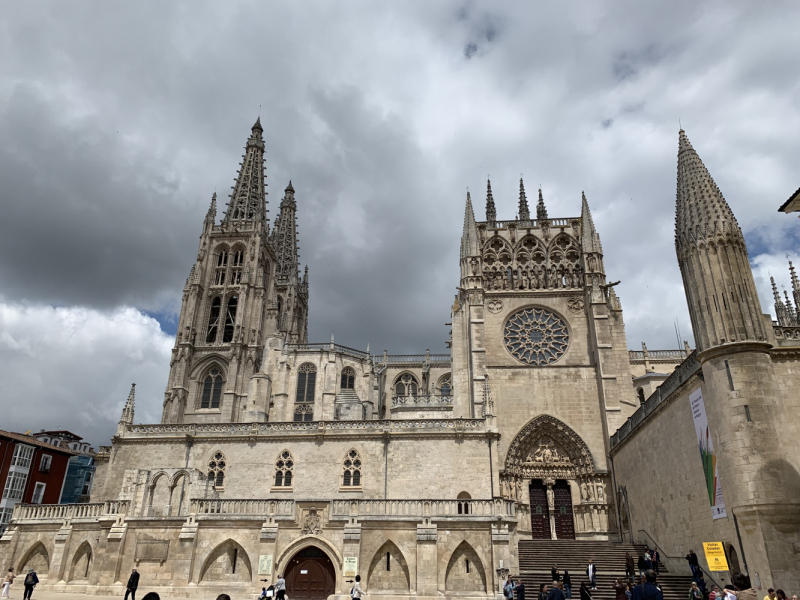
<point x="350" y="566"/>
<point x="715" y="556"/>
<point x="707" y="455"/>
<point x="265" y="564"/>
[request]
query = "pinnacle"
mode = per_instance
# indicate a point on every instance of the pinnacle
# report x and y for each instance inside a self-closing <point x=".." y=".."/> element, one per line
<point x="491" y="211"/>
<point x="257" y="124"/>
<point x="700" y="207"/>
<point x="289" y="187"/>
<point x="469" y="238"/>
<point x="524" y="211"/>
<point x="541" y="209"/>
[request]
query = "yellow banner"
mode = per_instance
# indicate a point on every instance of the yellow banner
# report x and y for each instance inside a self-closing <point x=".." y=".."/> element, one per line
<point x="715" y="556"/>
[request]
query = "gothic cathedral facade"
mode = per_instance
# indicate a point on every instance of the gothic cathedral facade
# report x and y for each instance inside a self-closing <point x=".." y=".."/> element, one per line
<point x="422" y="473"/>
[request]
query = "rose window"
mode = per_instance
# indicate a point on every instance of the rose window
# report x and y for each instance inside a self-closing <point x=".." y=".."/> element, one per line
<point x="536" y="336"/>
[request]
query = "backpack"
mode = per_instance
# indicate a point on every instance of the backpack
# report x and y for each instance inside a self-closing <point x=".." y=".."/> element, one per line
<point x="352" y="592"/>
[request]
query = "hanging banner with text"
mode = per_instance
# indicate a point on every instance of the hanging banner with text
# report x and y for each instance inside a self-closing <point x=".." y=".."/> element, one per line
<point x="715" y="556"/>
<point x="707" y="455"/>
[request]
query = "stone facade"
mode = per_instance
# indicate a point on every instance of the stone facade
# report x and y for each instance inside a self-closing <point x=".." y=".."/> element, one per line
<point x="420" y="472"/>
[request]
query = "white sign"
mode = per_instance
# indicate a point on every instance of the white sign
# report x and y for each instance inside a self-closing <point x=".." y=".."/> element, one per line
<point x="303" y="572"/>
<point x="265" y="564"/>
<point x="707" y="454"/>
<point x="350" y="566"/>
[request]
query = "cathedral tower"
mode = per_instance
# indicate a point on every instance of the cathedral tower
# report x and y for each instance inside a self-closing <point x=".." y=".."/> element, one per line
<point x="228" y="310"/>
<point x="746" y="415"/>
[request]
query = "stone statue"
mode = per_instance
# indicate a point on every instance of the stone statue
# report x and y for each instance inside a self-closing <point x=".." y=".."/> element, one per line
<point x="551" y="498"/>
<point x="601" y="495"/>
<point x="584" y="497"/>
<point x="590" y="492"/>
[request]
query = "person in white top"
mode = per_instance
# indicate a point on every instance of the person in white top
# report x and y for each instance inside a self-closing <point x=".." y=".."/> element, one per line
<point x="280" y="588"/>
<point x="357" y="592"/>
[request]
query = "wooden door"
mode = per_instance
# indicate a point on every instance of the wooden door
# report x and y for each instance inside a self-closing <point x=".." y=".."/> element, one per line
<point x="540" y="516"/>
<point x="565" y="527"/>
<point x="310" y="577"/>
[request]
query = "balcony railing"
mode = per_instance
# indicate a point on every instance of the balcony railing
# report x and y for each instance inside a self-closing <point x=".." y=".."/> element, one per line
<point x="417" y="509"/>
<point x="279" y="508"/>
<point x="422" y="401"/>
<point x="61" y="512"/>
<point x="656" y="355"/>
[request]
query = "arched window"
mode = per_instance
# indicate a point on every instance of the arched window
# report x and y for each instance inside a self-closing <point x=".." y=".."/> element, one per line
<point x="236" y="270"/>
<point x="306" y="381"/>
<point x="212" y="389"/>
<point x="406" y="385"/>
<point x="351" y="476"/>
<point x="303" y="412"/>
<point x="640" y="393"/>
<point x="445" y="387"/>
<point x="463" y="503"/>
<point x="222" y="267"/>
<point x="284" y="468"/>
<point x="213" y="320"/>
<point x="216" y="469"/>
<point x="348" y="378"/>
<point x="230" y="319"/>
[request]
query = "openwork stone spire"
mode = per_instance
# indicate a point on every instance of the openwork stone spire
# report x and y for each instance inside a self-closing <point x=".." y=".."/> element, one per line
<point x="249" y="198"/>
<point x="541" y="209"/>
<point x="701" y="211"/>
<point x="284" y="237"/>
<point x="795" y="287"/>
<point x="590" y="238"/>
<point x="524" y="211"/>
<point x="491" y="211"/>
<point x="127" y="412"/>
<point x="469" y="238"/>
<point x="780" y="307"/>
<point x="712" y="256"/>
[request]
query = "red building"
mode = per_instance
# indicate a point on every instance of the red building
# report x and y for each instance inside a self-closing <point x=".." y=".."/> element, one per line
<point x="30" y="471"/>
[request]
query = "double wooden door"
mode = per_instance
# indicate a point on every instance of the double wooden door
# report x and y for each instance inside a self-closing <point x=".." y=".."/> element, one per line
<point x="565" y="523"/>
<point x="562" y="511"/>
<point x="310" y="576"/>
<point x="540" y="515"/>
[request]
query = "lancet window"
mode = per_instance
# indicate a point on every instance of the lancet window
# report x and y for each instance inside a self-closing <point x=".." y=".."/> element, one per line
<point x="351" y="469"/>
<point x="348" y="378"/>
<point x="230" y="319"/>
<point x="306" y="382"/>
<point x="222" y="267"/>
<point x="236" y="268"/>
<point x="284" y="470"/>
<point x="212" y="389"/>
<point x="216" y="469"/>
<point x="406" y="385"/>
<point x="213" y="320"/>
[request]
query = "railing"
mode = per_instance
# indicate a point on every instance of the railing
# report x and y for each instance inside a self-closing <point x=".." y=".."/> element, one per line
<point x="324" y="347"/>
<point x="405" y="359"/>
<point x="61" y="512"/>
<point x="530" y="223"/>
<point x="785" y="332"/>
<point x="679" y="376"/>
<point x="310" y="427"/>
<point x="678" y="355"/>
<point x="417" y="509"/>
<point x="280" y="508"/>
<point x="422" y="401"/>
<point x="678" y="558"/>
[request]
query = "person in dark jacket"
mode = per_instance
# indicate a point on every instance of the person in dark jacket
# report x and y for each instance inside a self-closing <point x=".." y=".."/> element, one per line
<point x="585" y="593"/>
<point x="555" y="575"/>
<point x="591" y="573"/>
<point x="656" y="558"/>
<point x="542" y="592"/>
<point x="694" y="564"/>
<point x="520" y="591"/>
<point x="619" y="590"/>
<point x="555" y="592"/>
<point x="629" y="566"/>
<point x="133" y="583"/>
<point x="641" y="565"/>
<point x="30" y="582"/>
<point x="567" y="580"/>
<point x="648" y="589"/>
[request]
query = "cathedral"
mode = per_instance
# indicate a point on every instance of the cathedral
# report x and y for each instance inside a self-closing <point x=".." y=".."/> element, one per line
<point x="427" y="474"/>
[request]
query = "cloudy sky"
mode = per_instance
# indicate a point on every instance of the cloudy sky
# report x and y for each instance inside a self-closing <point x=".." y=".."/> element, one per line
<point x="119" y="120"/>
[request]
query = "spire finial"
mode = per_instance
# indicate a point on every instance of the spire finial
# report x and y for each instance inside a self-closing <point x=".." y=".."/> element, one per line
<point x="541" y="209"/>
<point x="524" y="211"/>
<point x="491" y="211"/>
<point x="469" y="237"/>
<point x="128" y="409"/>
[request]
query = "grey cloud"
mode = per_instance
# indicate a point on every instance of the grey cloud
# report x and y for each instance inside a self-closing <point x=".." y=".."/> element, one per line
<point x="117" y="122"/>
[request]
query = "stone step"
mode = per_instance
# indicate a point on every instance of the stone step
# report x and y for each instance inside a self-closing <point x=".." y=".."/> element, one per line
<point x="674" y="587"/>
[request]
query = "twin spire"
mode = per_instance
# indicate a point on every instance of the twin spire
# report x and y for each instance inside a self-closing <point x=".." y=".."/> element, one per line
<point x="787" y="312"/>
<point x="249" y="197"/>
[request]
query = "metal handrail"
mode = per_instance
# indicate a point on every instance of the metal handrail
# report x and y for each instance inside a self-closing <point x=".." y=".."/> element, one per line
<point x="658" y="545"/>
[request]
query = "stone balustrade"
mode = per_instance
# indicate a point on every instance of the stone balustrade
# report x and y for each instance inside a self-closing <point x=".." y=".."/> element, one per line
<point x="62" y="512"/>
<point x="418" y="509"/>
<point x="422" y="401"/>
<point x="278" y="508"/>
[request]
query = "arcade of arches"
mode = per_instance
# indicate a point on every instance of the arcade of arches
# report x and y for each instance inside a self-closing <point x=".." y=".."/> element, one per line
<point x="550" y="468"/>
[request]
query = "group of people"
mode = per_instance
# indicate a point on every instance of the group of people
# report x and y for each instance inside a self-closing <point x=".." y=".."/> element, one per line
<point x="560" y="589"/>
<point x="29" y="583"/>
<point x="646" y="562"/>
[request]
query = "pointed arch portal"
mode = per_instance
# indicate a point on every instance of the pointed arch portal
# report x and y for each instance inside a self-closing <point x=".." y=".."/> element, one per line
<point x="310" y="575"/>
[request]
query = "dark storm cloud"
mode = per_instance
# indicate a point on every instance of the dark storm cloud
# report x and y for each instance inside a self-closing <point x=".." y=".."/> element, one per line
<point x="119" y="120"/>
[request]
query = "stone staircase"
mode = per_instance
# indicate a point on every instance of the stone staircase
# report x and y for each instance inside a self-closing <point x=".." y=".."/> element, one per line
<point x="537" y="557"/>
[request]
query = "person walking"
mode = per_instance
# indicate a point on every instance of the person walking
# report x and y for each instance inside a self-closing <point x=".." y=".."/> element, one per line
<point x="555" y="575"/>
<point x="356" y="592"/>
<point x="508" y="588"/>
<point x="619" y="590"/>
<point x="280" y="588"/>
<point x="591" y="573"/>
<point x="647" y="590"/>
<point x="567" y="585"/>
<point x="555" y="592"/>
<point x="629" y="566"/>
<point x="7" y="584"/>
<point x="642" y="566"/>
<point x="133" y="584"/>
<point x="694" y="564"/>
<point x="521" y="590"/>
<point x="648" y="559"/>
<point x="628" y="590"/>
<point x="656" y="557"/>
<point x="30" y="582"/>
